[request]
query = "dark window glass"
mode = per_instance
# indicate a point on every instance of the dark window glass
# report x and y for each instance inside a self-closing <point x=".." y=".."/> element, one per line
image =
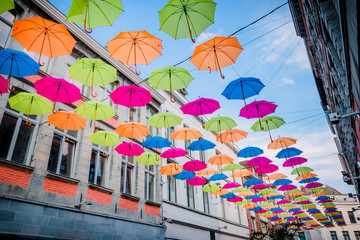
<point x="190" y="196"/>
<point x="206" y="202"/>
<point x="171" y="188"/>
<point x="63" y="149"/>
<point x="357" y="235"/>
<point x="67" y="155"/>
<point x="352" y="217"/>
<point x="346" y="235"/>
<point x="92" y="167"/>
<point x="333" y="235"/>
<point x="54" y="154"/>
<point x="22" y="144"/>
<point x="7" y="129"/>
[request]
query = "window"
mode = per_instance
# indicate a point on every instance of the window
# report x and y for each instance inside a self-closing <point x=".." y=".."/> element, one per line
<point x="346" y="235"/>
<point x="206" y="202"/>
<point x="190" y="196"/>
<point x="150" y="111"/>
<point x="127" y="171"/>
<point x="351" y="216"/>
<point x="171" y="188"/>
<point x="302" y="236"/>
<point x="239" y="215"/>
<point x="150" y="183"/>
<point x="333" y="235"/>
<point x="223" y="208"/>
<point x="253" y="224"/>
<point x="6" y="24"/>
<point x="97" y="171"/>
<point x="168" y="132"/>
<point x="62" y="152"/>
<point x="357" y="235"/>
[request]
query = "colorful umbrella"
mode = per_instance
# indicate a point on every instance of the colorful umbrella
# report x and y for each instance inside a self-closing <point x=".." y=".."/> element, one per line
<point x="258" y="161"/>
<point x="132" y="130"/>
<point x="139" y="47"/>
<point x="170" y="79"/>
<point x="301" y="170"/>
<point x="276" y="176"/>
<point x="105" y="138"/>
<point x="233" y="135"/>
<point x="260" y="186"/>
<point x="42" y="36"/>
<point x="173" y="153"/>
<point x="94" y="13"/>
<point x="232" y="167"/>
<point x="250" y="152"/>
<point x="288" y="152"/>
<point x="164" y="120"/>
<point x="220" y="192"/>
<point x="201" y="145"/>
<point x="258" y="109"/>
<point x="283" y="142"/>
<point x="219" y="124"/>
<point x="57" y="90"/>
<point x="235" y="199"/>
<point x="200" y="107"/>
<point x="287" y="187"/>
<point x="196" y="181"/>
<point x="305" y="176"/>
<point x="186" y="134"/>
<point x="239" y="189"/>
<point x="228" y="195"/>
<point x="148" y="159"/>
<point x="270" y="168"/>
<point x="4" y="85"/>
<point x="216" y="54"/>
<point x="281" y="182"/>
<point x="218" y="177"/>
<point x="231" y="185"/>
<point x="207" y="171"/>
<point x="6" y="5"/>
<point x="184" y="175"/>
<point x="241" y="173"/>
<point x="268" y="123"/>
<point x="220" y="159"/>
<point x="194" y="165"/>
<point x="67" y="121"/>
<point x="182" y="19"/>
<point x="252" y="181"/>
<point x="294" y="161"/>
<point x="309" y="180"/>
<point x="209" y="187"/>
<point x="95" y="110"/>
<point x="30" y="104"/>
<point x="16" y="64"/>
<point x="92" y="72"/>
<point x="171" y="169"/>
<point x="155" y="142"/>
<point x="129" y="149"/>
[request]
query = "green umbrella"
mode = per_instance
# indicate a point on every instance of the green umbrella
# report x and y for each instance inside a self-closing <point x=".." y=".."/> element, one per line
<point x="219" y="124"/>
<point x="232" y="167"/>
<point x="266" y="204"/>
<point x="301" y="198"/>
<point x="95" y="110"/>
<point x="243" y="202"/>
<point x="301" y="170"/>
<point x="316" y="189"/>
<point x="30" y="104"/>
<point x="292" y="191"/>
<point x="6" y="5"/>
<point x="267" y="123"/>
<point x="282" y="214"/>
<point x="209" y="187"/>
<point x="148" y="159"/>
<point x="239" y="189"/>
<point x="325" y="204"/>
<point x="288" y="205"/>
<point x="94" y="13"/>
<point x="164" y="120"/>
<point x="105" y="138"/>
<point x="310" y="205"/>
<point x="186" y="18"/>
<point x="267" y="191"/>
<point x="92" y="72"/>
<point x="170" y="79"/>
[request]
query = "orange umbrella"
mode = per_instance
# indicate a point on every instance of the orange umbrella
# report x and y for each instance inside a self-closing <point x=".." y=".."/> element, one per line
<point x="276" y="176"/>
<point x="171" y="169"/>
<point x="220" y="159"/>
<point x="283" y="142"/>
<point x="249" y="206"/>
<point x="132" y="130"/>
<point x="273" y="194"/>
<point x="138" y="47"/>
<point x="220" y="192"/>
<point x="246" y="194"/>
<point x="241" y="173"/>
<point x="67" y="120"/>
<point x="42" y="36"/>
<point x="216" y="54"/>
<point x="233" y="135"/>
<point x="305" y="176"/>
<point x="322" y="193"/>
<point x="186" y="134"/>
<point x="207" y="171"/>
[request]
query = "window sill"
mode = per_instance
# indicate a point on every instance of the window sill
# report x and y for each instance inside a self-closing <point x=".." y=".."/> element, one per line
<point x="130" y="197"/>
<point x="16" y="166"/>
<point x="100" y="188"/>
<point x="61" y="178"/>
<point x="151" y="203"/>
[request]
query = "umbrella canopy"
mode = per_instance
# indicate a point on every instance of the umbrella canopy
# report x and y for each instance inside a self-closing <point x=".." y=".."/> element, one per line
<point x="201" y="145"/>
<point x="218" y="177"/>
<point x="246" y="194"/>
<point x="184" y="175"/>
<point x="239" y="189"/>
<point x="57" y="90"/>
<point x="260" y="186"/>
<point x="196" y="181"/>
<point x="129" y="149"/>
<point x="252" y="181"/>
<point x="6" y="6"/>
<point x="4" y="85"/>
<point x="95" y="110"/>
<point x="30" y="104"/>
<point x="266" y="191"/>
<point x="231" y="185"/>
<point x="270" y="168"/>
<point x="284" y="201"/>
<point x="207" y="171"/>
<point x="220" y="192"/>
<point x="42" y="36"/>
<point x="92" y="72"/>
<point x="194" y="165"/>
<point x="67" y="120"/>
<point x="283" y="142"/>
<point x="235" y="199"/>
<point x="277" y="197"/>
<point x="294" y="161"/>
<point x="186" y="134"/>
<point x="138" y="47"/>
<point x="268" y="123"/>
<point x="173" y="153"/>
<point x="232" y="167"/>
<point x="16" y="64"/>
<point x="287" y="187"/>
<point x="233" y="135"/>
<point x="220" y="159"/>
<point x="250" y="152"/>
<point x="152" y="142"/>
<point x="105" y="138"/>
<point x="258" y="109"/>
<point x="216" y="54"/>
<point x="322" y="198"/>
<point x="148" y="158"/>
<point x="182" y="19"/>
<point x="171" y="169"/>
<point x="241" y="173"/>
<point x="94" y="13"/>
<point x="281" y="182"/>
<point x="289" y="152"/>
<point x="132" y="130"/>
<point x="218" y="124"/>
<point x="258" y="161"/>
<point x="228" y="195"/>
<point x="200" y="107"/>
<point x="276" y="176"/>
<point x="301" y="170"/>
<point x="309" y="180"/>
<point x="164" y="120"/>
<point x="305" y="176"/>
<point x="209" y="187"/>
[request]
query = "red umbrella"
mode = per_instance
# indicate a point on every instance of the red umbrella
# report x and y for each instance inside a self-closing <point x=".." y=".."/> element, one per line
<point x="173" y="153"/>
<point x="194" y="165"/>
<point x="294" y="161"/>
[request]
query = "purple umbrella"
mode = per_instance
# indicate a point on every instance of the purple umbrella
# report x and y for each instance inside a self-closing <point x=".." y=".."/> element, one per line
<point x="294" y="161"/>
<point x="270" y="168"/>
<point x="231" y="185"/>
<point x="194" y="165"/>
<point x="173" y="153"/>
<point x="258" y="161"/>
<point x="287" y="187"/>
<point x="258" y="109"/>
<point x="313" y="185"/>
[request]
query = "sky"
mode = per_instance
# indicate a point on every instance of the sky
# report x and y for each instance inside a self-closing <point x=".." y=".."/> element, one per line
<point x="278" y="58"/>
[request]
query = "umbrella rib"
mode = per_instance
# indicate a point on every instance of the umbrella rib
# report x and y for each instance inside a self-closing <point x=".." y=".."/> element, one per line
<point x="5" y="61"/>
<point x="55" y="36"/>
<point x="101" y="11"/>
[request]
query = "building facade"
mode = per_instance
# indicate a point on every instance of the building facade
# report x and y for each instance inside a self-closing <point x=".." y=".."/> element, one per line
<point x="330" y="32"/>
<point x="53" y="186"/>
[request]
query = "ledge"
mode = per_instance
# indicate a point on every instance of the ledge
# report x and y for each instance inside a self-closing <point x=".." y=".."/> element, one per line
<point x="100" y="188"/>
<point x="16" y="166"/>
<point x="60" y="178"/>
<point x="130" y="197"/>
<point x="151" y="203"/>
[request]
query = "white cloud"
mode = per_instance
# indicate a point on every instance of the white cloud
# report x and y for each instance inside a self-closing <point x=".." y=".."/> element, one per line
<point x="286" y="81"/>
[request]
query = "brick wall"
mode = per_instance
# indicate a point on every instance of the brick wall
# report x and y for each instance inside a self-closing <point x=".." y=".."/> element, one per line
<point x="14" y="177"/>
<point x="128" y="204"/>
<point x="99" y="197"/>
<point x="152" y="210"/>
<point x="58" y="187"/>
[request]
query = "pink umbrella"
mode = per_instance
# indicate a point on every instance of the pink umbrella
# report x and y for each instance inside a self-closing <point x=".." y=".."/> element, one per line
<point x="57" y="90"/>
<point x="194" y="165"/>
<point x="324" y="201"/>
<point x="305" y="202"/>
<point x="129" y="149"/>
<point x="270" y="168"/>
<point x="287" y="187"/>
<point x="231" y="185"/>
<point x="297" y="212"/>
<point x="235" y="199"/>
<point x="313" y="185"/>
<point x="279" y="211"/>
<point x="260" y="186"/>
<point x="201" y="107"/>
<point x="258" y="161"/>
<point x="258" y="200"/>
<point x="257" y="109"/>
<point x="131" y="96"/>
<point x="173" y="153"/>
<point x="284" y="201"/>
<point x="294" y="161"/>
<point x="3" y="85"/>
<point x="261" y="211"/>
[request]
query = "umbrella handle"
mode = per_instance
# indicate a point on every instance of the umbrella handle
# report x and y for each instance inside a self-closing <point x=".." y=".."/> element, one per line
<point x="137" y="73"/>
<point x="172" y="99"/>
<point x="221" y="75"/>
<point x="27" y="121"/>
<point x="10" y="89"/>
<point x="41" y="64"/>
<point x="130" y="116"/>
<point x="88" y="31"/>
<point x="91" y="92"/>
<point x="209" y="69"/>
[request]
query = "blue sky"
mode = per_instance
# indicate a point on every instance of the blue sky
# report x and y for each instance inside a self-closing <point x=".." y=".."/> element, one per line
<point x="278" y="59"/>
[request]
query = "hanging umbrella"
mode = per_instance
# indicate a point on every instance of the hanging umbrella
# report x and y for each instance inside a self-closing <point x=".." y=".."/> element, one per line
<point x="92" y="72"/>
<point x="228" y="195"/>
<point x="277" y="197"/>
<point x="67" y="121"/>
<point x="264" y="169"/>
<point x="57" y="90"/>
<point x="289" y="152"/>
<point x="4" y="85"/>
<point x="231" y="185"/>
<point x="105" y="138"/>
<point x="185" y="134"/>
<point x="194" y="165"/>
<point x="280" y="143"/>
<point x="294" y="161"/>
<point x="276" y="176"/>
<point x="267" y="123"/>
<point x="305" y="176"/>
<point x="182" y="19"/>
<point x="266" y="191"/>
<point x="252" y="181"/>
<point x="95" y="110"/>
<point x="16" y="64"/>
<point x="309" y="180"/>
<point x="219" y="124"/>
<point x="253" y="196"/>
<point x="42" y="36"/>
<point x="287" y="187"/>
<point x="207" y="171"/>
<point x="260" y="186"/>
<point x="258" y="109"/>
<point x="171" y="169"/>
<point x="6" y="5"/>
<point x="196" y="181"/>
<point x="239" y="189"/>
<point x="232" y="167"/>
<point x="218" y="177"/>
<point x="94" y="13"/>
<point x="170" y="79"/>
<point x="258" y="161"/>
<point x="241" y="173"/>
<point x="164" y="120"/>
<point x="246" y="194"/>
<point x="30" y="104"/>
<point x="132" y="130"/>
<point x="148" y="159"/>
<point x="138" y="47"/>
<point x="220" y="192"/>
<point x="129" y="149"/>
<point x="220" y="159"/>
<point x="173" y="153"/>
<point x="201" y="145"/>
<point x="153" y="142"/>
<point x="209" y="187"/>
<point x="233" y="135"/>
<point x="301" y="170"/>
<point x="184" y="175"/>
<point x="216" y="54"/>
<point x="250" y="152"/>
<point x="200" y="107"/>
<point x="281" y="182"/>
<point x="243" y="88"/>
<point x="235" y="199"/>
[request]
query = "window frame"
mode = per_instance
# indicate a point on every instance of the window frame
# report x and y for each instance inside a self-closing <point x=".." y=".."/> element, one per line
<point x="346" y="235"/>
<point x="169" y="131"/>
<point x="357" y="235"/>
<point x="333" y="235"/>
<point x="351" y="216"/>
<point x="10" y="24"/>
<point x="125" y="161"/>
<point x="99" y="150"/>
<point x="188" y="189"/>
<point x="206" y="202"/>
<point x="148" y="115"/>
<point x="150" y="171"/>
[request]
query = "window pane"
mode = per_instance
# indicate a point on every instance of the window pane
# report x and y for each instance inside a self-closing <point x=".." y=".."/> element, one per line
<point x="8" y="16"/>
<point x="92" y="167"/>
<point x="22" y="144"/>
<point x="100" y="180"/>
<point x="67" y="155"/>
<point x="346" y="235"/>
<point x="7" y="128"/>
<point x="122" y="178"/>
<point x="4" y="33"/>
<point x="357" y="235"/>
<point x="128" y="179"/>
<point x="351" y="217"/>
<point x="190" y="196"/>
<point x="54" y="153"/>
<point x="171" y="188"/>
<point x="206" y="202"/>
<point x="151" y="187"/>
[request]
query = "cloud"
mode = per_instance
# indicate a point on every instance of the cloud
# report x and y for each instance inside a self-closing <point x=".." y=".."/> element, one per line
<point x="205" y="36"/>
<point x="285" y="81"/>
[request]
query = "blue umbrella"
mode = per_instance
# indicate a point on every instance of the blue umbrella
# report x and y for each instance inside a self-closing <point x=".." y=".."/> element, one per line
<point x="201" y="145"/>
<point x="243" y="88"/>
<point x="252" y="181"/>
<point x="250" y="152"/>
<point x="309" y="180"/>
<point x="277" y="197"/>
<point x="218" y="177"/>
<point x="156" y="142"/>
<point x="288" y="152"/>
<point x="281" y="182"/>
<point x="17" y="64"/>
<point x="294" y="209"/>
<point x="257" y="208"/>
<point x="273" y="218"/>
<point x="184" y="175"/>
<point x="322" y="198"/>
<point x="252" y="197"/>
<point x="313" y="210"/>
<point x="286" y="218"/>
<point x="330" y="209"/>
<point x="275" y="209"/>
<point x="228" y="195"/>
